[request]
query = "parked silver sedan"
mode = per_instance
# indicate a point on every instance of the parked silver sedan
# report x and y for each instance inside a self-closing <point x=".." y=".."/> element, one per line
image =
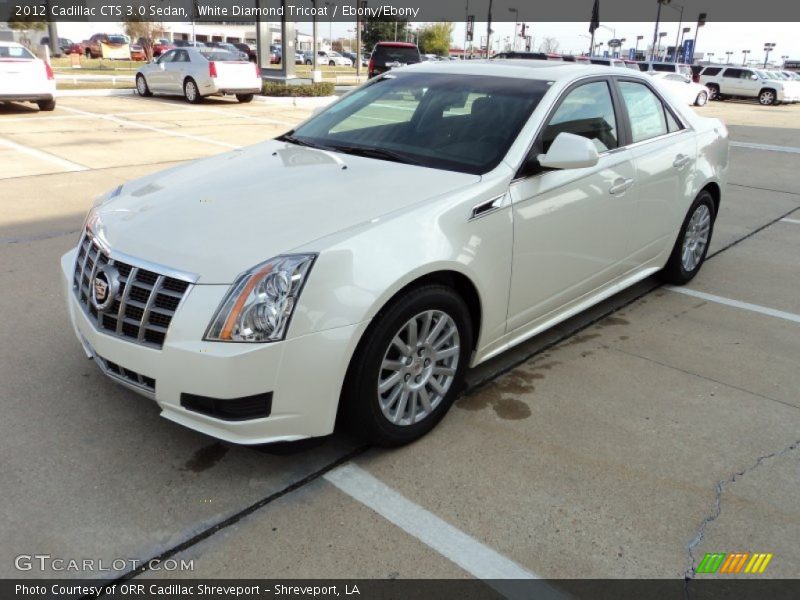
<point x="199" y="72"/>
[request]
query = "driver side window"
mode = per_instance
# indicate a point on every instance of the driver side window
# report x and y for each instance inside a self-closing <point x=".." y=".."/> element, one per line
<point x="587" y="111"/>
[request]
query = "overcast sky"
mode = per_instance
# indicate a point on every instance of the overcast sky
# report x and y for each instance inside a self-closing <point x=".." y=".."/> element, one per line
<point x="714" y="37"/>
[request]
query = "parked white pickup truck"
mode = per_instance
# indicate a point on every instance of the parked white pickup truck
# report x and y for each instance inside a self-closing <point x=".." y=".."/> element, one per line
<point x="742" y="82"/>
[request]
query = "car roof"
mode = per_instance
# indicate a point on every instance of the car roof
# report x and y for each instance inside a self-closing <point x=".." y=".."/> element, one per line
<point x="548" y="70"/>
<point x="397" y="44"/>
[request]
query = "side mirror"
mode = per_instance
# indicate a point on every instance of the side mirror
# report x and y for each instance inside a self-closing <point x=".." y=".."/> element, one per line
<point x="753" y="76"/>
<point x="569" y="151"/>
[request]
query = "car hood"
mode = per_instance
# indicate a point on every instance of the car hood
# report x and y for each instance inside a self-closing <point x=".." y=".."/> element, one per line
<point x="220" y="216"/>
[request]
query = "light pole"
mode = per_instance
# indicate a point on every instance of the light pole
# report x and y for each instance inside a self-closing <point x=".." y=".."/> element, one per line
<point x="655" y="31"/>
<point x="466" y="30"/>
<point x="709" y="55"/>
<point x="516" y="24"/>
<point x="597" y="47"/>
<point x="658" y="49"/>
<point x="744" y="56"/>
<point x="330" y="25"/>
<point x="619" y="51"/>
<point x="636" y="48"/>
<point x="728" y="53"/>
<point x="677" y="33"/>
<point x="701" y="21"/>
<point x="768" y="47"/>
<point x="784" y="58"/>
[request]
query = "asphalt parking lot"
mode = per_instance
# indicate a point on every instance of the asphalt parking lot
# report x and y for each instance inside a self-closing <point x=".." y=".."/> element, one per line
<point x="629" y="441"/>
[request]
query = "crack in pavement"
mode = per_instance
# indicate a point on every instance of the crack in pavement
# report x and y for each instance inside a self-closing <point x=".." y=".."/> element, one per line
<point x="719" y="487"/>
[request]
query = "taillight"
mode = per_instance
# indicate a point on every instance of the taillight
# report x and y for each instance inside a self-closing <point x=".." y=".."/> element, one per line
<point x="258" y="71"/>
<point x="49" y="70"/>
<point x="212" y="69"/>
<point x="371" y="66"/>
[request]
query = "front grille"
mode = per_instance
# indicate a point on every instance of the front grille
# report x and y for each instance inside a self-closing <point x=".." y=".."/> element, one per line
<point x="144" y="304"/>
<point x="117" y="372"/>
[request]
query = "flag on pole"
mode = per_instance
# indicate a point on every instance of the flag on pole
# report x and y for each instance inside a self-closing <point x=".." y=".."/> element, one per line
<point x="595" y="17"/>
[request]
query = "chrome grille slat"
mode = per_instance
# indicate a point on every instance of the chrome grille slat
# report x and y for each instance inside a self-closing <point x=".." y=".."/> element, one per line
<point x="150" y="301"/>
<point x="124" y="300"/>
<point x="143" y="293"/>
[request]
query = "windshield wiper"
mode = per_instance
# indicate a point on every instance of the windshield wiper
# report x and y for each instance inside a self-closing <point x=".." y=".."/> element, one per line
<point x="380" y="153"/>
<point x="288" y="137"/>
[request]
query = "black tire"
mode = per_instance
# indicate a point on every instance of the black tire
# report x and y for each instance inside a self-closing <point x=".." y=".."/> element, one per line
<point x="142" y="87"/>
<point x="331" y="63"/>
<point x="675" y="271"/>
<point x="308" y="63"/>
<point x="701" y="100"/>
<point x="361" y="412"/>
<point x="195" y="98"/>
<point x="46" y="105"/>
<point x="244" y="98"/>
<point x="713" y="91"/>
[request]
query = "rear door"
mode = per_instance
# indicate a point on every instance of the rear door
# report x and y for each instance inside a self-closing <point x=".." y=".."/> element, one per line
<point x="663" y="150"/>
<point x="730" y="82"/>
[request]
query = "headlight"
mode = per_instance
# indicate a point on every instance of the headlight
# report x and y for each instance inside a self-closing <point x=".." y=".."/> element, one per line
<point x="259" y="305"/>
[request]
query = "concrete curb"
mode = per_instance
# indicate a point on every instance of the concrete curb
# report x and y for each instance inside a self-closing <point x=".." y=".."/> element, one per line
<point x="301" y="102"/>
<point x="101" y="92"/>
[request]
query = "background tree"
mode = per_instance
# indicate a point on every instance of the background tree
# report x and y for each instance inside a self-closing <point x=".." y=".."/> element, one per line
<point x="549" y="44"/>
<point x="383" y="30"/>
<point x="435" y="39"/>
<point x="27" y="27"/>
<point x="147" y="31"/>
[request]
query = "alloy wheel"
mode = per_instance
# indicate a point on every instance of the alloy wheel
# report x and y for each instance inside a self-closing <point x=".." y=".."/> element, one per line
<point x="695" y="239"/>
<point x="766" y="98"/>
<point x="418" y="367"/>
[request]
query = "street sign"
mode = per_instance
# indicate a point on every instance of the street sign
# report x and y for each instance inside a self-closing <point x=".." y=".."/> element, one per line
<point x="687" y="50"/>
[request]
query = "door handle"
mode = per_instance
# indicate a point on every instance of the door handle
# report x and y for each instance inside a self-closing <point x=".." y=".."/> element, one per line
<point x="620" y="185"/>
<point x="681" y="161"/>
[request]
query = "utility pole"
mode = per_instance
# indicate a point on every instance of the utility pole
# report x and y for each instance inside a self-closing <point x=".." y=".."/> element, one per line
<point x="489" y="30"/>
<point x="744" y="56"/>
<point x="655" y="31"/>
<point x="768" y="47"/>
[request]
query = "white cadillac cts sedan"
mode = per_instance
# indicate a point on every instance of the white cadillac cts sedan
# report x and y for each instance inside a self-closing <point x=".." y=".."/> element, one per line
<point x="358" y="265"/>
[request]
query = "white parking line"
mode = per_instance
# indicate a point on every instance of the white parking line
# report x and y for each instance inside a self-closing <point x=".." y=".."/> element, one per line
<point x="160" y="130"/>
<point x="736" y="303"/>
<point x="455" y="545"/>
<point x="56" y="160"/>
<point x="770" y="147"/>
<point x="795" y="221"/>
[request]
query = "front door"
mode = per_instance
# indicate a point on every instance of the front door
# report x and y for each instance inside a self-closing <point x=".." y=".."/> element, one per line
<point x="571" y="226"/>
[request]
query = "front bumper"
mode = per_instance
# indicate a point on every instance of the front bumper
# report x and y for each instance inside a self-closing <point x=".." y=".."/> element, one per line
<point x="304" y="374"/>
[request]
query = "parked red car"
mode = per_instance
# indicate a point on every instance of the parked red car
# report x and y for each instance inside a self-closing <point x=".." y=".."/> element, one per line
<point x="160" y="45"/>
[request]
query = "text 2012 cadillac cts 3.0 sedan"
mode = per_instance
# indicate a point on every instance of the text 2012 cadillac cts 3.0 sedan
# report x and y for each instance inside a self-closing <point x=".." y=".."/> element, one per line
<point x="357" y="265"/>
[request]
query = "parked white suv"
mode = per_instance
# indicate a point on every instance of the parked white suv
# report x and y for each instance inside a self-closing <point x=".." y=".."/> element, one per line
<point x="742" y="82"/>
<point x="665" y="67"/>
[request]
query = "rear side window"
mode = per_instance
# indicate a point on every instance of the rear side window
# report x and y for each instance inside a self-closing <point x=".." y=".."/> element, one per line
<point x="586" y="111"/>
<point x="711" y="71"/>
<point x="732" y="73"/>
<point x="667" y="68"/>
<point x="648" y="115"/>
<point x="401" y="54"/>
<point x="15" y="52"/>
<point x="220" y="55"/>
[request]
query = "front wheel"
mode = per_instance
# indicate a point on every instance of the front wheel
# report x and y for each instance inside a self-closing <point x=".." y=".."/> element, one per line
<point x="46" y="105"/>
<point x="701" y="99"/>
<point x="691" y="247"/>
<point x="767" y="98"/>
<point x="244" y="98"/>
<point x="331" y="63"/>
<point x="409" y="367"/>
<point x="308" y="63"/>
<point x="190" y="91"/>
<point x="142" y="87"/>
<point x="713" y="91"/>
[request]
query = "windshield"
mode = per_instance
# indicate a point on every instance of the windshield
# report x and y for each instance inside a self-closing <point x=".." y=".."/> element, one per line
<point x="15" y="52"/>
<point x="461" y="123"/>
<point x="390" y="54"/>
<point x="117" y="39"/>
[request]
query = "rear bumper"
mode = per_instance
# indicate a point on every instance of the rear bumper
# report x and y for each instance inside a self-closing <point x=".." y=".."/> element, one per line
<point x="26" y="97"/>
<point x="304" y="375"/>
<point x="232" y="91"/>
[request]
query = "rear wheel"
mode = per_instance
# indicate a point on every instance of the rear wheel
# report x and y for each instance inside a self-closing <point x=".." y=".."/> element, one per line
<point x="142" y="87"/>
<point x="713" y="91"/>
<point x="244" y="98"/>
<point x="190" y="91"/>
<point x="308" y="62"/>
<point x="46" y="105"/>
<point x="691" y="247"/>
<point x="409" y="367"/>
